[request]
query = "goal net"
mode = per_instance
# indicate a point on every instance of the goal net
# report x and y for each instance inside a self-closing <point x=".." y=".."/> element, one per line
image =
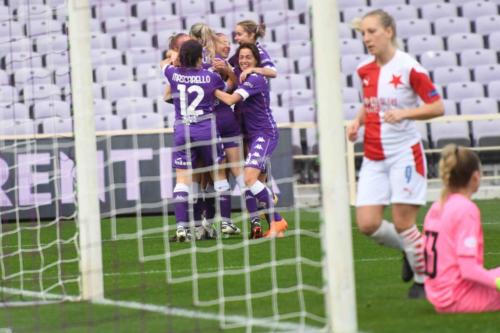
<point x="87" y="185"/>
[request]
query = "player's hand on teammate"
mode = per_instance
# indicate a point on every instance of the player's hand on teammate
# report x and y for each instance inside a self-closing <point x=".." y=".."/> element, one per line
<point x="219" y="65"/>
<point x="352" y="130"/>
<point x="393" y="116"/>
<point x="245" y="73"/>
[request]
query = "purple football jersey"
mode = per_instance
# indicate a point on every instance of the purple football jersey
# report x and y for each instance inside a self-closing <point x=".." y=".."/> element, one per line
<point x="255" y="109"/>
<point x="265" y="59"/>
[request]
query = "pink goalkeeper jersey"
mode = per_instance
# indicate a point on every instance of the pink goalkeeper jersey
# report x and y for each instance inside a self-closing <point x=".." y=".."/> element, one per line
<point x="396" y="85"/>
<point x="450" y="231"/>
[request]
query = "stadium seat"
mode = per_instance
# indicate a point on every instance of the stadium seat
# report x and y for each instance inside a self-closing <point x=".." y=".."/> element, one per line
<point x="435" y="10"/>
<point x="350" y="95"/>
<point x="128" y="39"/>
<point x="147" y="72"/>
<point x="137" y="56"/>
<point x="104" y="73"/>
<point x="113" y="90"/>
<point x="449" y="74"/>
<point x="485" y="132"/>
<point x="304" y="65"/>
<point x="30" y="11"/>
<point x="16" y="60"/>
<point x="342" y="4"/>
<point x="99" y="40"/>
<point x="450" y="107"/>
<point x="493" y="89"/>
<point x="191" y="7"/>
<point x="351" y="13"/>
<point x="230" y="6"/>
<point x="106" y="57"/>
<point x="291" y="99"/>
<point x="133" y="105"/>
<point x="4" y="78"/>
<point x="51" y="43"/>
<point x="479" y="8"/>
<point x="108" y="122"/>
<point x="487" y="24"/>
<point x="459" y="42"/>
<point x="351" y="46"/>
<point x="262" y="6"/>
<point x="62" y="75"/>
<point x="470" y="58"/>
<point x="163" y="22"/>
<point x="96" y="91"/>
<point x="449" y="25"/>
<point x="156" y="88"/>
<point x="460" y="90"/>
<point x="274" y="18"/>
<point x="15" y="44"/>
<point x="8" y="94"/>
<point x="56" y="59"/>
<point x="38" y="92"/>
<point x="402" y="11"/>
<point x="312" y="140"/>
<point x="281" y="115"/>
<point x="11" y="29"/>
<point x="434" y="59"/>
<point x="478" y="106"/>
<point x="284" y="65"/>
<point x="165" y="109"/>
<point x="145" y="9"/>
<point x="5" y="14"/>
<point x="121" y="23"/>
<point x="55" y="125"/>
<point x="13" y="111"/>
<point x="43" y="27"/>
<point x="298" y="48"/>
<point x="345" y="30"/>
<point x="61" y="12"/>
<point x="17" y="127"/>
<point x="105" y="10"/>
<point x="350" y="62"/>
<point x="32" y="75"/>
<point x="213" y="20"/>
<point x="424" y="133"/>
<point x="231" y="19"/>
<point x="144" y="121"/>
<point x="408" y="28"/>
<point x="385" y="3"/>
<point x="494" y="40"/>
<point x="288" y="82"/>
<point x="47" y="109"/>
<point x="102" y="106"/>
<point x="443" y="133"/>
<point x="420" y="3"/>
<point x="162" y="38"/>
<point x="275" y="50"/>
<point x="291" y="32"/>
<point x="350" y="110"/>
<point x="486" y="73"/>
<point x="424" y="43"/>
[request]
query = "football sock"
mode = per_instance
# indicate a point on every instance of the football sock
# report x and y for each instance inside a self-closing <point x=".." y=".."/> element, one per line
<point x="224" y="190"/>
<point x="387" y="235"/>
<point x="413" y="247"/>
<point x="262" y="194"/>
<point x="181" y="205"/>
<point x="209" y="200"/>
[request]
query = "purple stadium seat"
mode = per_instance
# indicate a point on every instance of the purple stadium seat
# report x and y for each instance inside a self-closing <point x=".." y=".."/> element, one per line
<point x="446" y="26"/>
<point x="262" y="6"/>
<point x="156" y="88"/>
<point x="62" y="75"/>
<point x="487" y="24"/>
<point x="15" y="44"/>
<point x="350" y="62"/>
<point x="43" y="27"/>
<point x="420" y="3"/>
<point x="460" y="90"/>
<point x="163" y="22"/>
<point x="51" y="43"/>
<point x="39" y="92"/>
<point x="485" y="132"/>
<point x="145" y="9"/>
<point x="213" y="20"/>
<point x="191" y="7"/>
<point x="147" y="72"/>
<point x="478" y="106"/>
<point x="17" y="127"/>
<point x="128" y="39"/>
<point x="351" y="46"/>
<point x="96" y="91"/>
<point x="450" y="132"/>
<point x="486" y="73"/>
<point x="460" y="42"/>
<point x="345" y="30"/>
<point x="424" y="133"/>
<point x="471" y="58"/>
<point x="385" y="3"/>
<point x="47" y="109"/>
<point x="274" y="49"/>
<point x="133" y="105"/>
<point x="99" y="40"/>
<point x="231" y="19"/>
<point x="424" y="43"/>
<point x="104" y="10"/>
<point x="342" y="4"/>
<point x="53" y="60"/>
<point x="350" y="95"/>
<point x="102" y="107"/>
<point x="8" y="94"/>
<point x="13" y="111"/>
<point x="304" y="113"/>
<point x="434" y="59"/>
<point x="230" y="6"/>
<point x="56" y="125"/>
<point x="281" y="115"/>
<point x="17" y="60"/>
<point x="104" y="73"/>
<point x="433" y="11"/>
<point x="121" y="23"/>
<point x="291" y="32"/>
<point x="494" y="89"/>
<point x="298" y="48"/>
<point x="113" y="90"/>
<point x="449" y="74"/>
<point x="274" y="18"/>
<point x="4" y="78"/>
<point x="479" y="8"/>
<point x="402" y="11"/>
<point x="137" y="56"/>
<point x="11" y="29"/>
<point x="409" y="28"/>
<point x="304" y="65"/>
<point x="291" y="99"/>
<point x="108" y="122"/>
<point x="30" y="75"/>
<point x="30" y="11"/>
<point x="283" y="65"/>
<point x="450" y="107"/>
<point x="288" y="82"/>
<point x="353" y="12"/>
<point x="351" y="110"/>
<point x="106" y="57"/>
<point x="144" y="121"/>
<point x="166" y="110"/>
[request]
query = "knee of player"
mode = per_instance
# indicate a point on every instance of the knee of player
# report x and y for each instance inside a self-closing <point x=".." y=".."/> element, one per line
<point x="249" y="180"/>
<point x="367" y="225"/>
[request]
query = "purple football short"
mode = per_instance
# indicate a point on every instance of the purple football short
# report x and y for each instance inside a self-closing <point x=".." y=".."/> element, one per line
<point x="260" y="149"/>
<point x="228" y="127"/>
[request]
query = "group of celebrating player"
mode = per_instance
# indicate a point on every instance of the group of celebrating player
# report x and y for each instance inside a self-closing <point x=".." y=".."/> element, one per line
<point x="222" y="106"/>
<point x="204" y="84"/>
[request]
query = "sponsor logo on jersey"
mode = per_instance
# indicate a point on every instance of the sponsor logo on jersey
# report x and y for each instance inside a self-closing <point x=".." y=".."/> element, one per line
<point x="248" y="84"/>
<point x="179" y="161"/>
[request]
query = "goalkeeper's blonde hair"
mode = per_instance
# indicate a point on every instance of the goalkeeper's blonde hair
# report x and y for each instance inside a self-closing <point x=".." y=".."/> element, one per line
<point x="386" y="20"/>
<point x="251" y="27"/>
<point x="456" y="166"/>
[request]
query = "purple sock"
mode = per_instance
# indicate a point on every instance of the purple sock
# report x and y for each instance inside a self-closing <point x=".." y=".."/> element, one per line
<point x="251" y="205"/>
<point x="198" y="208"/>
<point x="181" y="208"/>
<point x="209" y="206"/>
<point x="267" y="203"/>
<point x="225" y="206"/>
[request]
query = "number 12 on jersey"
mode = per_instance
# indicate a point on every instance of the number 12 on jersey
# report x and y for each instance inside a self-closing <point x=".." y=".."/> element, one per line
<point x="190" y="112"/>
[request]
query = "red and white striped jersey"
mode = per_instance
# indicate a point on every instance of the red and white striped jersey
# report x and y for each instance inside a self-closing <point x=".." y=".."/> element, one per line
<point x="396" y="85"/>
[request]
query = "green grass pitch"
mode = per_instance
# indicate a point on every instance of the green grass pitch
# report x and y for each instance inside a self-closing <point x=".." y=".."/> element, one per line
<point x="381" y="295"/>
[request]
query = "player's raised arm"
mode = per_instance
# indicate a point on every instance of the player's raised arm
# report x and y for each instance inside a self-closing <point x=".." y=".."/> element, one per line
<point x="229" y="99"/>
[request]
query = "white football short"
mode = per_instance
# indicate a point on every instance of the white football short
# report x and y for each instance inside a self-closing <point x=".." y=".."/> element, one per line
<point x="401" y="178"/>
